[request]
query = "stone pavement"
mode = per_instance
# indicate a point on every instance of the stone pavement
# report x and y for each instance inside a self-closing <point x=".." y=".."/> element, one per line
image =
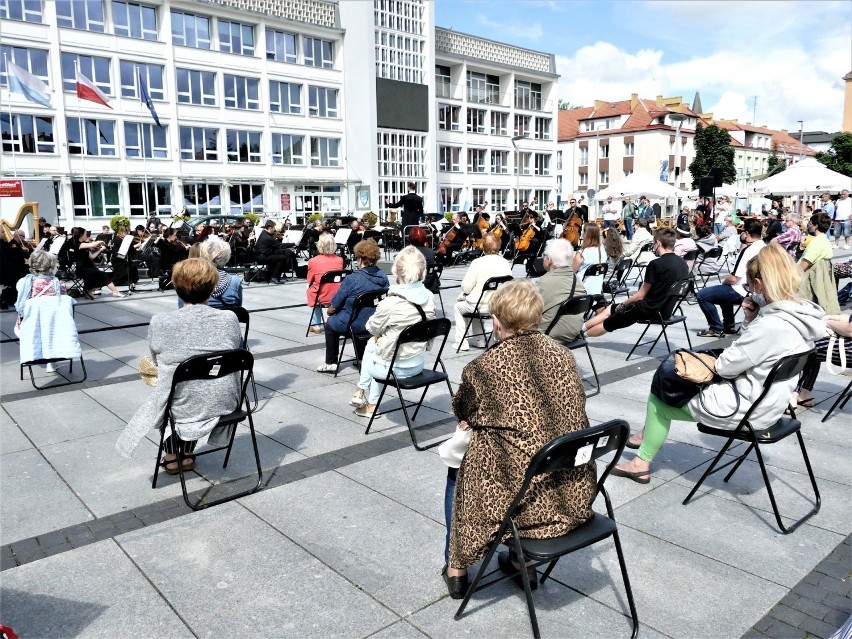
<point x="346" y="538"/>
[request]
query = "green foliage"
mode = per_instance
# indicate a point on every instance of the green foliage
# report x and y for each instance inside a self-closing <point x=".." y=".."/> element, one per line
<point x="448" y="216"/>
<point x="181" y="218"/>
<point x="369" y="219"/>
<point x="254" y="217"/>
<point x="119" y="221"/>
<point x="712" y="149"/>
<point x="315" y="217"/>
<point x="774" y="164"/>
<point x="839" y="155"/>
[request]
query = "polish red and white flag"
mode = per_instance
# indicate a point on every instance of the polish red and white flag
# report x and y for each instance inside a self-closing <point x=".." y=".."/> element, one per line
<point x="86" y="90"/>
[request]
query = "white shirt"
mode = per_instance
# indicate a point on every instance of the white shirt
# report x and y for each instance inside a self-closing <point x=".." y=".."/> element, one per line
<point x="843" y="209"/>
<point x="742" y="264"/>
<point x="610" y="211"/>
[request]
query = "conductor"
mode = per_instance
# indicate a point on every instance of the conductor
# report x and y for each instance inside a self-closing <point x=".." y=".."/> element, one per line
<point x="412" y="207"/>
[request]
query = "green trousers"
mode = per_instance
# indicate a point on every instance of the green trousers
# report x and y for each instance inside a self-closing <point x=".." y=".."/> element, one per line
<point x="658" y="420"/>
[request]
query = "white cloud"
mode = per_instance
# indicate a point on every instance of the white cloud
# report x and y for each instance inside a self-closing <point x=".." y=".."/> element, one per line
<point x="512" y="31"/>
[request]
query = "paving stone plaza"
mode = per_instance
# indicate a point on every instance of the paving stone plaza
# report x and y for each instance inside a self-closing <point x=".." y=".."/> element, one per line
<point x="346" y="537"/>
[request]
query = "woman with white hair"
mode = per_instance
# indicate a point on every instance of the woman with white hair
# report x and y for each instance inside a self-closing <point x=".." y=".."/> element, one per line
<point x="792" y="237"/>
<point x="229" y="289"/>
<point x="407" y="303"/>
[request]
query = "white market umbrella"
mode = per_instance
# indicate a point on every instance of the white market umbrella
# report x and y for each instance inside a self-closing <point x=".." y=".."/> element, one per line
<point x="640" y="183"/>
<point x="807" y="176"/>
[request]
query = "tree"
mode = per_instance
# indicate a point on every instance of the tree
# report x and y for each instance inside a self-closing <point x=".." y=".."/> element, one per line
<point x="565" y="105"/>
<point x="839" y="155"/>
<point x="774" y="164"/>
<point x="712" y="149"/>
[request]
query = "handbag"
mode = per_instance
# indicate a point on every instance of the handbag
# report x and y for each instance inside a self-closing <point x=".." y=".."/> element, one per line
<point x="148" y="371"/>
<point x="695" y="366"/>
<point x="670" y="387"/>
<point x="838" y="355"/>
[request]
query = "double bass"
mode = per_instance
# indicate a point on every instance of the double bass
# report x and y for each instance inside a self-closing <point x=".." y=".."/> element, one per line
<point x="483" y="225"/>
<point x="571" y="232"/>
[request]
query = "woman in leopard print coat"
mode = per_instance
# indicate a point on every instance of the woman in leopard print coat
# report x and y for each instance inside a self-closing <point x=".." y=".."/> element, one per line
<point x="516" y="397"/>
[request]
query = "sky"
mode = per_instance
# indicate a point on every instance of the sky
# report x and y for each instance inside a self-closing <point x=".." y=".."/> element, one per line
<point x="791" y="54"/>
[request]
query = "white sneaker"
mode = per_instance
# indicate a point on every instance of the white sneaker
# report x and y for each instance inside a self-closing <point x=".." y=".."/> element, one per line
<point x="478" y="343"/>
<point x="358" y="399"/>
<point x="464" y="346"/>
<point x="327" y="368"/>
<point x="50" y="368"/>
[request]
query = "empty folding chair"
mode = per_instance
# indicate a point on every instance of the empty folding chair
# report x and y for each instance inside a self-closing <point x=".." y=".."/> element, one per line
<point x="617" y="283"/>
<point x="577" y="306"/>
<point x="432" y="281"/>
<point x="666" y="316"/>
<point x="784" y="369"/>
<point x="640" y="268"/>
<point x="491" y="285"/>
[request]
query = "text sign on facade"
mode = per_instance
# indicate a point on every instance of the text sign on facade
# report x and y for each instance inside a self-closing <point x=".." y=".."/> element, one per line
<point x="11" y="188"/>
<point x="285" y="201"/>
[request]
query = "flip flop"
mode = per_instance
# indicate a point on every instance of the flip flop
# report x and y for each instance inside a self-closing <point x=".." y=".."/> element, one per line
<point x="807" y="403"/>
<point x="630" y="444"/>
<point x="642" y="477"/>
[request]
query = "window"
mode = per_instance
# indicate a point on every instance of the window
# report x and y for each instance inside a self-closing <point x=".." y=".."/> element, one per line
<point x="236" y="38"/>
<point x="94" y="68"/>
<point x="241" y="93"/>
<point x="318" y="53"/>
<point x="288" y="149"/>
<point x="143" y="140"/>
<point x="522" y="163"/>
<point x="243" y="146"/>
<point x="281" y="46"/>
<point x="584" y="156"/>
<point x="198" y="143"/>
<point x="584" y="178"/>
<point x="522" y="125"/>
<point x="628" y="149"/>
<point x="402" y="158"/>
<point x="246" y="198"/>
<point x="482" y="88"/>
<point x="448" y="158"/>
<point x="100" y="199"/>
<point x="149" y="197"/>
<point x="527" y="95"/>
<point x="479" y="196"/>
<point x="499" y="162"/>
<point x="559" y="162"/>
<point x="604" y="150"/>
<point x="201" y="198"/>
<point x="448" y="117"/>
<point x="27" y="133"/>
<point x="322" y="102"/>
<point x="33" y="60"/>
<point x="400" y="56"/>
<point x="450" y="198"/>
<point x="196" y="87"/>
<point x="25" y="10"/>
<point x="499" y="123"/>
<point x="542" y="164"/>
<point x="499" y="198"/>
<point x="542" y="128"/>
<point x="476" y="160"/>
<point x="476" y="120"/>
<point x="134" y="20"/>
<point x="628" y="172"/>
<point x="443" y="77"/>
<point x="152" y="74"/>
<point x="285" y="97"/>
<point x="603" y="178"/>
<point x="190" y="30"/>
<point x="325" y="152"/>
<point x="81" y="14"/>
<point x="96" y="138"/>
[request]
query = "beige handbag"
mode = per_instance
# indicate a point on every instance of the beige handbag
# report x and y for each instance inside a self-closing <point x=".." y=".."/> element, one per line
<point x="148" y="371"/>
<point x="695" y="367"/>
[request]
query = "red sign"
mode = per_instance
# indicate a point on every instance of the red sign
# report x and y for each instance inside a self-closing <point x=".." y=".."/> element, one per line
<point x="11" y="188"/>
<point x="285" y="201"/>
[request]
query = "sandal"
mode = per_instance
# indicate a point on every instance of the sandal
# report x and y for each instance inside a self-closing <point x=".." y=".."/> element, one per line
<point x="807" y="403"/>
<point x="640" y="477"/>
<point x="709" y="332"/>
<point x="171" y="466"/>
<point x="631" y="444"/>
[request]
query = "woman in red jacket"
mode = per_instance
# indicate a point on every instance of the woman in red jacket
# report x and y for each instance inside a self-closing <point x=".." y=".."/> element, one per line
<point x="318" y="266"/>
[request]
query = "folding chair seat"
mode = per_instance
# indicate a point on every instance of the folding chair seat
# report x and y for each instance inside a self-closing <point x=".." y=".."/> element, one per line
<point x="666" y="316"/>
<point x="423" y="331"/>
<point x="579" y="305"/>
<point x="243" y="318"/>
<point x="432" y="281"/>
<point x="365" y="300"/>
<point x="206" y="367"/>
<point x="707" y="256"/>
<point x="617" y="283"/>
<point x="784" y="369"/>
<point x="562" y="453"/>
<point x="327" y="279"/>
<point x="648" y="247"/>
<point x="491" y="285"/>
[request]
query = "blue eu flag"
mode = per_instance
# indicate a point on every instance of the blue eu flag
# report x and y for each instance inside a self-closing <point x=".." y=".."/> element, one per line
<point x="146" y="98"/>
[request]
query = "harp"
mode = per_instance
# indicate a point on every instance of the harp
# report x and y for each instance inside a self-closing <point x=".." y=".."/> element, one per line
<point x="28" y="208"/>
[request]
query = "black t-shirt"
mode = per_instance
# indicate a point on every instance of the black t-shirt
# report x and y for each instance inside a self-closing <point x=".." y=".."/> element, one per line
<point x="683" y="221"/>
<point x="661" y="273"/>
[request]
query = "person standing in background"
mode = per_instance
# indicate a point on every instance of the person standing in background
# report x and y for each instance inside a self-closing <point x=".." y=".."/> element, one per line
<point x="412" y="207"/>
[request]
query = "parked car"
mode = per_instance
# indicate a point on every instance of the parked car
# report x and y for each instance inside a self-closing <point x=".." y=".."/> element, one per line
<point x="187" y="231"/>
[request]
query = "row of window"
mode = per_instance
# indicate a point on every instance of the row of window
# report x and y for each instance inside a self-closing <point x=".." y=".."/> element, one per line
<point x="35" y="134"/>
<point x="484" y="88"/>
<point x="135" y="20"/>
<point x="496" y="199"/>
<point x="494" y="122"/>
<point x="493" y="161"/>
<point x="193" y="87"/>
<point x="603" y="152"/>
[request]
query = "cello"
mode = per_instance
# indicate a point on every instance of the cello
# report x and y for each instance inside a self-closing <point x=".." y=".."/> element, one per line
<point x="572" y="228"/>
<point x="448" y="239"/>
<point x="523" y="243"/>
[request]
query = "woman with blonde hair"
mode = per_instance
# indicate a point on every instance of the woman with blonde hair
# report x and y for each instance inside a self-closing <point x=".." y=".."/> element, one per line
<point x="591" y="252"/>
<point x="506" y="430"/>
<point x="777" y="323"/>
<point x="324" y="261"/>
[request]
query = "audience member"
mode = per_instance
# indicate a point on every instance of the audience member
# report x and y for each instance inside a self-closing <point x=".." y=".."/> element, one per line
<point x="640" y="239"/>
<point x="842" y="326"/>
<point x="818" y="284"/>
<point x="706" y="242"/>
<point x="229" y="289"/>
<point x="591" y="252"/>
<point x="791" y="238"/>
<point x="85" y="252"/>
<point x="684" y="244"/>
<point x="556" y="286"/>
<point x="319" y="265"/>
<point x="842" y="219"/>
<point x="614" y="248"/>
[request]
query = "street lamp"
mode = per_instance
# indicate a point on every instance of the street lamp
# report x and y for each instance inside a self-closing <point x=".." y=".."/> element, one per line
<point x="518" y="168"/>
<point x="801" y="135"/>
<point x="679" y="118"/>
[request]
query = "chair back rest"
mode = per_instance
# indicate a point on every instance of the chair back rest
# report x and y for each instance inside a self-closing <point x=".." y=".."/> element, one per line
<point x="332" y="277"/>
<point x="677" y="293"/>
<point x="579" y="305"/>
<point x="622" y="269"/>
<point x="214" y="366"/>
<point x="713" y="254"/>
<point x="242" y="317"/>
<point x="421" y="332"/>
<point x="595" y="270"/>
<point x="647" y="247"/>
<point x="491" y="285"/>
<point x="784" y="369"/>
<point x="370" y="299"/>
<point x="433" y="277"/>
<point x="535" y="268"/>
<point x="691" y="256"/>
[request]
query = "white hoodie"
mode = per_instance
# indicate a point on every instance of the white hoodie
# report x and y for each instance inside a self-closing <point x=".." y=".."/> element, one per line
<point x="780" y="328"/>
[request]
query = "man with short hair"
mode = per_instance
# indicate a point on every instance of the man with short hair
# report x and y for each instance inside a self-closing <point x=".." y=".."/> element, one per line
<point x="556" y="286"/>
<point x="627" y="214"/>
<point x="660" y="274"/>
<point x="610" y="214"/>
<point x="731" y="292"/>
<point x="412" y="207"/>
<point x="842" y="219"/>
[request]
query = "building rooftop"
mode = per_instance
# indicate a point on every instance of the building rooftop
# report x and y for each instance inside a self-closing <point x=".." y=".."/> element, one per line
<point x="641" y="113"/>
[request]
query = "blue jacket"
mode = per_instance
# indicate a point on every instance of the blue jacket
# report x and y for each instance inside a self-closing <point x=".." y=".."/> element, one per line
<point x="371" y="278"/>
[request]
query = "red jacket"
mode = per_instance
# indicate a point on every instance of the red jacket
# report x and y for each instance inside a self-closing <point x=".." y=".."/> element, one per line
<point x="317" y="267"/>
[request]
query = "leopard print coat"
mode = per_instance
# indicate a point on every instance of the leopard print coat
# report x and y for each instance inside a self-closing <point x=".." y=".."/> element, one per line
<point x="517" y="396"/>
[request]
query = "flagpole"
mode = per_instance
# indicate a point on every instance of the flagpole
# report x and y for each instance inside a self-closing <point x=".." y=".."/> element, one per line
<point x="142" y="139"/>
<point x="83" y="144"/>
<point x="11" y="123"/>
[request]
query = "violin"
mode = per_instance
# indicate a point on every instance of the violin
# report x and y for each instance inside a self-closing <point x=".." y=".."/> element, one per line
<point x="448" y="239"/>
<point x="571" y="232"/>
<point x="523" y="243"/>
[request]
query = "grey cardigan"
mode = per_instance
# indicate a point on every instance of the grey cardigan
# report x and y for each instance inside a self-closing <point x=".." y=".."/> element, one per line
<point x="173" y="337"/>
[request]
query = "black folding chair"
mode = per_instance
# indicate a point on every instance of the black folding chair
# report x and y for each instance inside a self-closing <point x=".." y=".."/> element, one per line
<point x="243" y="318"/>
<point x="55" y="360"/>
<point x="579" y="305"/>
<point x="423" y="331"/>
<point x="68" y="273"/>
<point x="370" y="299"/>
<point x="691" y="256"/>
<point x="491" y="285"/>
<point x="561" y="454"/>
<point x="207" y="367"/>
<point x="648" y="247"/>
<point x="328" y="278"/>
<point x="784" y="369"/>
<point x="707" y="256"/>
<point x="432" y="281"/>
<point x="666" y="317"/>
<point x="596" y="270"/>
<point x="617" y="283"/>
<point x="840" y="401"/>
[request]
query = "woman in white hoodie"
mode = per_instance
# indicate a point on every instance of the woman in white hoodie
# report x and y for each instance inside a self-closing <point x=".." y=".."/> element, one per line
<point x="407" y="303"/>
<point x="777" y="323"/>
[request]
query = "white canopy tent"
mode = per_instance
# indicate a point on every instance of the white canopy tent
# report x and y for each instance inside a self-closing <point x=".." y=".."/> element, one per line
<point x="637" y="184"/>
<point x="808" y="176"/>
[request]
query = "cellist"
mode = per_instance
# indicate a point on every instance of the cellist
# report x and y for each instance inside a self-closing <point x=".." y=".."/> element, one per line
<point x="453" y="239"/>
